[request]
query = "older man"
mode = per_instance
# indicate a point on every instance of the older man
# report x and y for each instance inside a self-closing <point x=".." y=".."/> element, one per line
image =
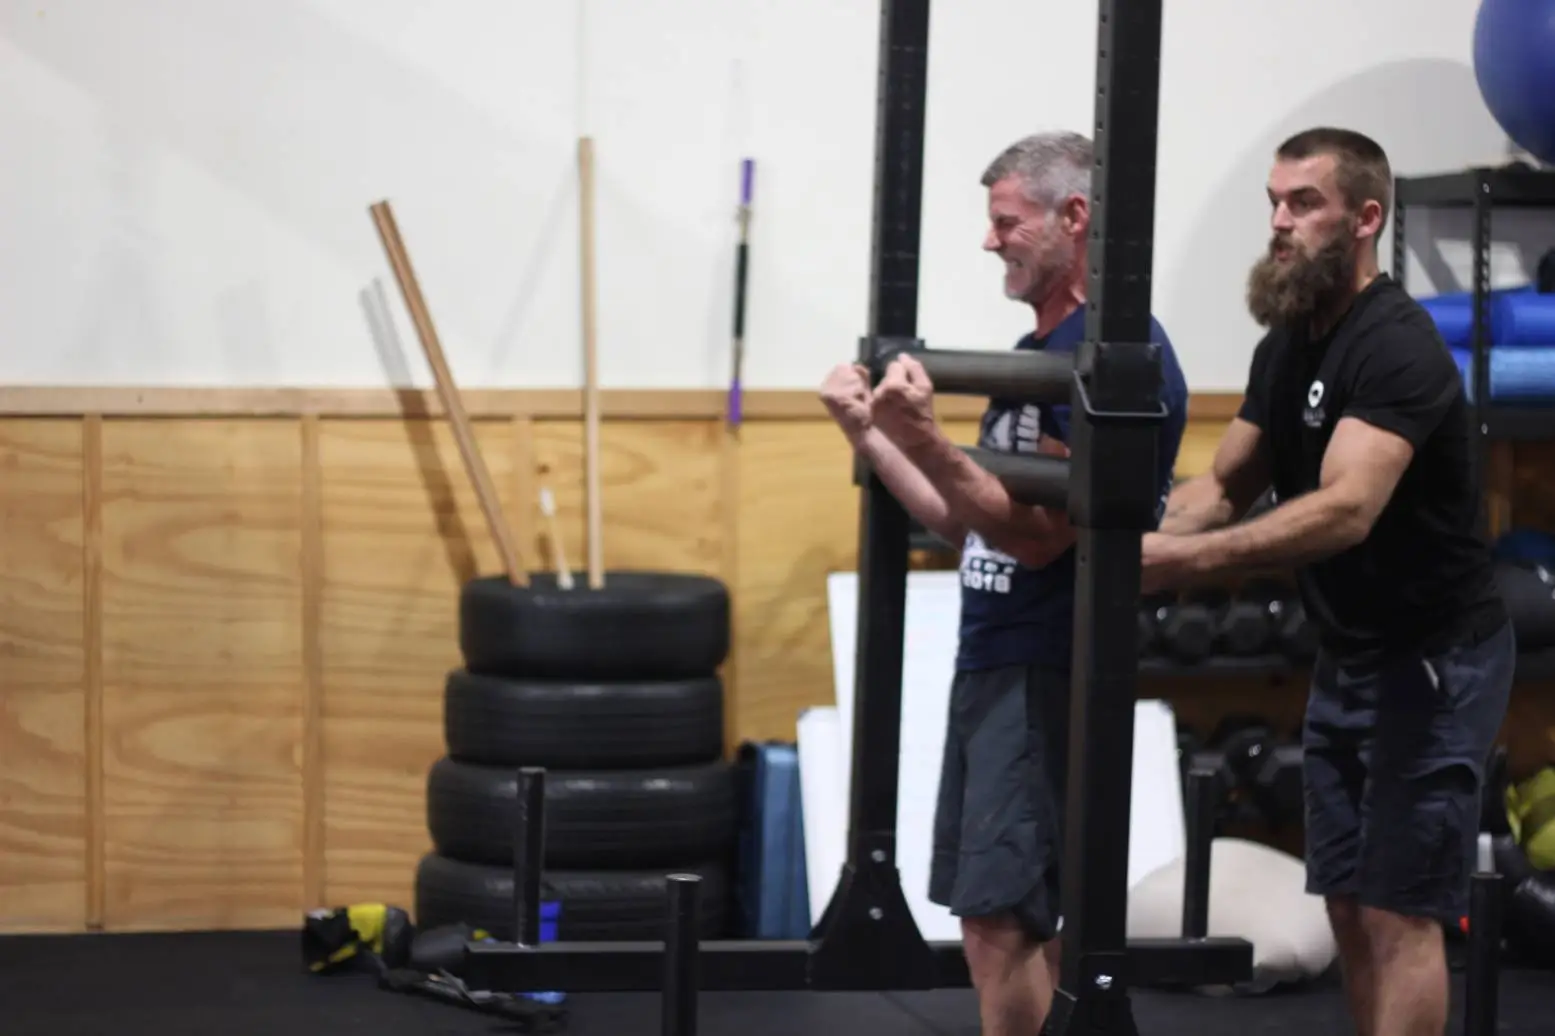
<point x="998" y="836"/>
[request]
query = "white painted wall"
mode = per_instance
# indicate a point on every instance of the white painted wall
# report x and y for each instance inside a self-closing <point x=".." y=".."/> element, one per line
<point x="184" y="183"/>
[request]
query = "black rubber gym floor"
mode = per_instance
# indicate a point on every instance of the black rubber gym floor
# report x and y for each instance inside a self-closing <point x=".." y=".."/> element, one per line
<point x="252" y="984"/>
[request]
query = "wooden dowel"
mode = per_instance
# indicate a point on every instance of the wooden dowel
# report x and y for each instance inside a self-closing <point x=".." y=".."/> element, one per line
<point x="475" y="467"/>
<point x="596" y="534"/>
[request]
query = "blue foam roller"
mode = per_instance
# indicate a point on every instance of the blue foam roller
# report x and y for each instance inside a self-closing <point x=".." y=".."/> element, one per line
<point x="1453" y="312"/>
<point x="1454" y="319"/>
<point x="1523" y="318"/>
<point x="1518" y="373"/>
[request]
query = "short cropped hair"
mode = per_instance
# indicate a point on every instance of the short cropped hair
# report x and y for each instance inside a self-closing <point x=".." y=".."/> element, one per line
<point x="1052" y="166"/>
<point x="1361" y="166"/>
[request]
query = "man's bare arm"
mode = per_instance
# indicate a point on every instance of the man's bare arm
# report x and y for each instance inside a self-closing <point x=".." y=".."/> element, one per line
<point x="1361" y="468"/>
<point x="1032" y="535"/>
<point x="1222" y="495"/>
<point x="912" y="489"/>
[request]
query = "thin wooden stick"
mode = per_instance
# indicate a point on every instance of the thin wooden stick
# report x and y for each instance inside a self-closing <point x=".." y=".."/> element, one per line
<point x="314" y="832"/>
<point x="475" y="467"/>
<point x="558" y="549"/>
<point x="596" y="532"/>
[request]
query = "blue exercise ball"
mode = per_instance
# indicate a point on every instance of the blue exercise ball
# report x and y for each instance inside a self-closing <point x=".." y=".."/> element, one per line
<point x="1514" y="62"/>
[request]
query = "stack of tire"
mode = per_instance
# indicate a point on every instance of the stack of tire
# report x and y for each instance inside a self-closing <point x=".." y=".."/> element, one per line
<point x="615" y="692"/>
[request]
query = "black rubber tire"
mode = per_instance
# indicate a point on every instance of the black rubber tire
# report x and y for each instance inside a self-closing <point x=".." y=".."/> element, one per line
<point x="596" y="906"/>
<point x="596" y="818"/>
<point x="638" y="626"/>
<point x="502" y="721"/>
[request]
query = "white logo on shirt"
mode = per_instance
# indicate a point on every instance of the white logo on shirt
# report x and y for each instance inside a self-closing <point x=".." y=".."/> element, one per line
<point x="984" y="568"/>
<point x="1014" y="430"/>
<point x="1017" y="430"/>
<point x="1313" y="415"/>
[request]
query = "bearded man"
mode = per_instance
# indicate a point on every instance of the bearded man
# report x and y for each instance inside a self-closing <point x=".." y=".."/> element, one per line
<point x="1356" y="415"/>
<point x="998" y="825"/>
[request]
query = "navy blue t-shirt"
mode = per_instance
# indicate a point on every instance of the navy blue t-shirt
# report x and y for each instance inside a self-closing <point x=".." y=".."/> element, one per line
<point x="1012" y="614"/>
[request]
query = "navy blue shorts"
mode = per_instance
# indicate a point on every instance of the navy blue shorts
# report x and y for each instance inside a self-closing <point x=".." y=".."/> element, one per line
<point x="1394" y="760"/>
<point x="999" y="820"/>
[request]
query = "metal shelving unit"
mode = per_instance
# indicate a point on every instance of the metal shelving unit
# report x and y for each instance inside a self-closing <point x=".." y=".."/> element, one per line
<point x="1482" y="190"/>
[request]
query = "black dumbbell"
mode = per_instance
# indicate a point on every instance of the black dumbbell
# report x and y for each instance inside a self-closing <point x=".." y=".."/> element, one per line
<point x="1152" y="611"/>
<point x="1297" y="635"/>
<point x="1264" y="775"/>
<point x="1241" y="739"/>
<point x="1187" y="631"/>
<point x="1277" y="786"/>
<point x="1250" y="623"/>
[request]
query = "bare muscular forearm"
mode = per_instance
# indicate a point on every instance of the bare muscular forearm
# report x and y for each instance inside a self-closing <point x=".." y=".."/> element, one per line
<point x="912" y="489"/>
<point x="1197" y="505"/>
<point x="979" y="501"/>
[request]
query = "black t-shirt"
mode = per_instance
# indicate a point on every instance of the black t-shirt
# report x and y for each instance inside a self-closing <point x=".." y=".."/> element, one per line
<point x="1422" y="581"/>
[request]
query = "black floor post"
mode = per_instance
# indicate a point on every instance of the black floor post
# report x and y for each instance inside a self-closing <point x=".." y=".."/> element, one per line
<point x="868" y="938"/>
<point x="1203" y="790"/>
<point x="1482" y="984"/>
<point x="1115" y="414"/>
<point x="528" y="855"/>
<point x="678" y="1016"/>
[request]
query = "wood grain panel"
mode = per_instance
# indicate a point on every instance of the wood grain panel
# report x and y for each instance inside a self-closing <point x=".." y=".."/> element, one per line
<point x="211" y="574"/>
<point x="798" y="522"/>
<point x="1200" y="439"/>
<point x="92" y="667"/>
<point x="397" y="404"/>
<point x="402" y="531"/>
<point x="202" y="673"/>
<point x="42" y="714"/>
<point x="661" y="488"/>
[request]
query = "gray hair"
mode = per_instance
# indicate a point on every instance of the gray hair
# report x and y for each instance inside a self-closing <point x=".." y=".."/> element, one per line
<point x="1052" y="166"/>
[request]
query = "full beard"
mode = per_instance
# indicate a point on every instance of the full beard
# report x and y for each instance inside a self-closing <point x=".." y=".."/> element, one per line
<point x="1282" y="293"/>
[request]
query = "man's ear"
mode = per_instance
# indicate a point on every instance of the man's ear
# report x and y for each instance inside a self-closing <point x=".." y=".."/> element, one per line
<point x="1077" y="214"/>
<point x="1368" y="221"/>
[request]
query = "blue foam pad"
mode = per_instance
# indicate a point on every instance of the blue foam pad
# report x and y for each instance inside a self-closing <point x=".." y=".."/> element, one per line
<point x="773" y="887"/>
<point x="1518" y="373"/>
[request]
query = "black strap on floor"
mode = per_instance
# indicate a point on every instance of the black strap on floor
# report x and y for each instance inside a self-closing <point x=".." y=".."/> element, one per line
<point x="531" y="1016"/>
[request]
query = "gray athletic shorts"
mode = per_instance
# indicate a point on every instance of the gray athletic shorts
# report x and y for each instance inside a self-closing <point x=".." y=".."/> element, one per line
<point x="1394" y="760"/>
<point x="998" y="824"/>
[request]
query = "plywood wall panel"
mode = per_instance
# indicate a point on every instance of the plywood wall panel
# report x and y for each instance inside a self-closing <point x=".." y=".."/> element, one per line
<point x="402" y="531"/>
<point x="43" y="805"/>
<point x="202" y="673"/>
<point x="213" y="588"/>
<point x="798" y="521"/>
